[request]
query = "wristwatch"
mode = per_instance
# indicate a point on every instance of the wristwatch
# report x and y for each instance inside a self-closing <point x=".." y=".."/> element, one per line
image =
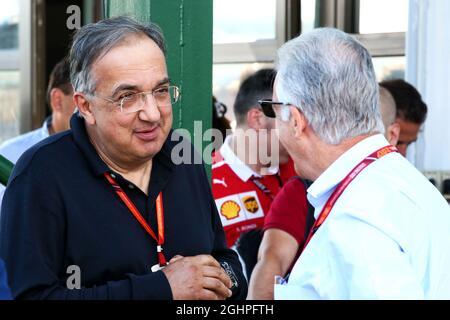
<point x="234" y="283"/>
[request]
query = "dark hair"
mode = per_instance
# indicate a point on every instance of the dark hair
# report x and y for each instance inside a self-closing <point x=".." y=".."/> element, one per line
<point x="219" y="121"/>
<point x="409" y="103"/>
<point x="95" y="40"/>
<point x="256" y="87"/>
<point x="60" y="78"/>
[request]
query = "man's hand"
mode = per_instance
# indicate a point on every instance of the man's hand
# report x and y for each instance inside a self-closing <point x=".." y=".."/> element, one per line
<point x="197" y="278"/>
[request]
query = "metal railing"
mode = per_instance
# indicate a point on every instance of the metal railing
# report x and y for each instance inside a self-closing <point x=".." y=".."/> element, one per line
<point x="6" y="167"/>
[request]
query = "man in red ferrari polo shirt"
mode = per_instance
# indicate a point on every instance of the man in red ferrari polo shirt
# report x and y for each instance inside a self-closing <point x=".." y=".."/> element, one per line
<point x="250" y="167"/>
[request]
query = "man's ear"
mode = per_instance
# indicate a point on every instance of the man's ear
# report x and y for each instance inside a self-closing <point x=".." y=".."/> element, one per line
<point x="254" y="119"/>
<point x="56" y="99"/>
<point x="84" y="107"/>
<point x="298" y="122"/>
<point x="394" y="133"/>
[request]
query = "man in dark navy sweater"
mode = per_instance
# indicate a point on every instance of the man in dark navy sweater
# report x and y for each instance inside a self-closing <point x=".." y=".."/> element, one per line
<point x="5" y="293"/>
<point x="98" y="211"/>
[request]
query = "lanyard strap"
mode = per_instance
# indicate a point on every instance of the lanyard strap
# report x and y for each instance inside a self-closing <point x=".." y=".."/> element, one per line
<point x="261" y="186"/>
<point x="344" y="184"/>
<point x="159" y="217"/>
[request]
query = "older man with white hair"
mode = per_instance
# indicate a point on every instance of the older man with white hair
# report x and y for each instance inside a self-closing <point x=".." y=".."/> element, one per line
<point x="380" y="225"/>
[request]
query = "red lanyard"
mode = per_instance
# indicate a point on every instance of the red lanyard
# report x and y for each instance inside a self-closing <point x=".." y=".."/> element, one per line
<point x="159" y="217"/>
<point x="344" y="184"/>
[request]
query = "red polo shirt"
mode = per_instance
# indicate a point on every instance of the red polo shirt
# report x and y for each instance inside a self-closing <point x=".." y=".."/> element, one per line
<point x="289" y="210"/>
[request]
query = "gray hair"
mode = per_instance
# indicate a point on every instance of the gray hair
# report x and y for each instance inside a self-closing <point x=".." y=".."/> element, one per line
<point x="329" y="76"/>
<point x="95" y="40"/>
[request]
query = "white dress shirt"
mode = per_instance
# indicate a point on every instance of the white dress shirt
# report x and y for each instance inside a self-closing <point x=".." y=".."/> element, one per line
<point x="386" y="237"/>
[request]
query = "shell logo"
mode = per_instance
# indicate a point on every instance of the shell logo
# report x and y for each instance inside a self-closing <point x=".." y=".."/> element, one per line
<point x="250" y="204"/>
<point x="230" y="210"/>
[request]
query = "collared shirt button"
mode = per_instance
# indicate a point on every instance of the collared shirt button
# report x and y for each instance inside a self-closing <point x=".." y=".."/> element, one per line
<point x="130" y="186"/>
<point x="113" y="175"/>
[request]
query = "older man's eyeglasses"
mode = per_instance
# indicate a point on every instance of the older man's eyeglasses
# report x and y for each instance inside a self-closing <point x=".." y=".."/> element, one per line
<point x="134" y="102"/>
<point x="268" y="105"/>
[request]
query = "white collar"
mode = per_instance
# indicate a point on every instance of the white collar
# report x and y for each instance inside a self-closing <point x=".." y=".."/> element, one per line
<point x="241" y="169"/>
<point x="45" y="126"/>
<point x="321" y="189"/>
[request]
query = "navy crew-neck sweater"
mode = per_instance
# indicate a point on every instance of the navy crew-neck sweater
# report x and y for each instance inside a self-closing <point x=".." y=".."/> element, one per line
<point x="59" y="211"/>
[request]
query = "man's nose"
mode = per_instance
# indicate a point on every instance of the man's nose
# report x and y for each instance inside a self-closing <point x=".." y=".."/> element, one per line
<point x="150" y="110"/>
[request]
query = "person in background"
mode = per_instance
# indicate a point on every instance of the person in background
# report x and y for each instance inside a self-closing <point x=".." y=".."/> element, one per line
<point x="219" y="121"/>
<point x="284" y="234"/>
<point x="102" y="211"/>
<point x="290" y="218"/>
<point x="411" y="111"/>
<point x="59" y="98"/>
<point x="388" y="115"/>
<point x="375" y="235"/>
<point x="243" y="186"/>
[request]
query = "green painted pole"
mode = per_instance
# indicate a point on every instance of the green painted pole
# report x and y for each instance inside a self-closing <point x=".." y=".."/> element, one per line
<point x="138" y="9"/>
<point x="6" y="168"/>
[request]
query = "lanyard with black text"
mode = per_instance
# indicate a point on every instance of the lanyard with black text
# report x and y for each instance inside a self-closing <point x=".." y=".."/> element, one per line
<point x="261" y="186"/>
<point x="159" y="217"/>
<point x="344" y="184"/>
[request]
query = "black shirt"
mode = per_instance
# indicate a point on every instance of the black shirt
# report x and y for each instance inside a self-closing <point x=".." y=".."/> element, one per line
<point x="59" y="211"/>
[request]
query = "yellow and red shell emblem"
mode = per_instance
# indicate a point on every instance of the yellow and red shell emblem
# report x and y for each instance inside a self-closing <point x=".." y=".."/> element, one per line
<point x="250" y="204"/>
<point x="230" y="210"/>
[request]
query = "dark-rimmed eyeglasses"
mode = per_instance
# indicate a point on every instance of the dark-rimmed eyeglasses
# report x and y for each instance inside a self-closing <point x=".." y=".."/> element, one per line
<point x="267" y="106"/>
